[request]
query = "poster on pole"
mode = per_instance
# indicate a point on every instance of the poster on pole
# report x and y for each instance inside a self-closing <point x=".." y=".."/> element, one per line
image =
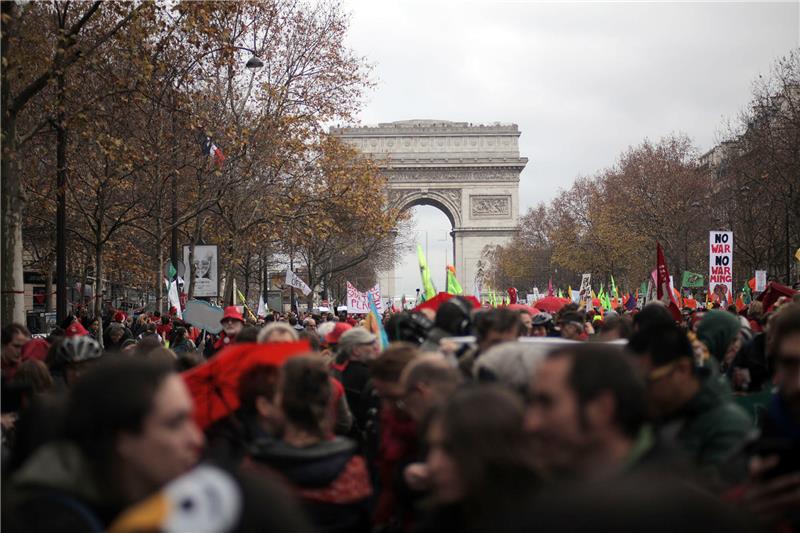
<point x="720" y="266"/>
<point x="202" y="271"/>
<point x="357" y="302"/>
<point x="585" y="292"/>
<point x="761" y="280"/>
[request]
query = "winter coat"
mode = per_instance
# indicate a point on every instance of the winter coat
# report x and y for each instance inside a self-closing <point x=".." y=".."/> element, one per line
<point x="710" y="428"/>
<point x="328" y="477"/>
<point x="55" y="491"/>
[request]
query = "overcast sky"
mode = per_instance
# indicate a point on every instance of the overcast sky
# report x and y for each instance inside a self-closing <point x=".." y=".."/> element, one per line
<point x="582" y="80"/>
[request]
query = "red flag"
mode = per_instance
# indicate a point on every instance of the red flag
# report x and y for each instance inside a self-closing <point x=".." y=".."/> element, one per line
<point x="512" y="295"/>
<point x="550" y="287"/>
<point x="663" y="290"/>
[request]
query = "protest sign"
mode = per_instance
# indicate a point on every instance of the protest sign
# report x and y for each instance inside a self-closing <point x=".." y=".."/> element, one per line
<point x="720" y="265"/>
<point x="357" y="301"/>
<point x="203" y="315"/>
<point x="761" y="280"/>
<point x="585" y="292"/>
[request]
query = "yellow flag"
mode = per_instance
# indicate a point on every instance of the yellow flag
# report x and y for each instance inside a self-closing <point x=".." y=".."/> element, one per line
<point x="797" y="254"/>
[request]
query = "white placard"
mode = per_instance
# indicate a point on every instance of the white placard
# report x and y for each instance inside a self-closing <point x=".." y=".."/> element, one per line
<point x="720" y="265"/>
<point x="761" y="280"/>
<point x="357" y="301"/>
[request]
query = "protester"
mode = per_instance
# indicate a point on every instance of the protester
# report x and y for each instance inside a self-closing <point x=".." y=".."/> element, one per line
<point x="479" y="461"/>
<point x="586" y="415"/>
<point x="542" y="325"/>
<point x="453" y="319"/>
<point x="773" y="488"/>
<point x="687" y="402"/>
<point x="718" y="331"/>
<point x="15" y="336"/>
<point x="117" y="449"/>
<point x="277" y="332"/>
<point x="232" y="323"/>
<point x="510" y="363"/>
<point x="326" y="475"/>
<point x="71" y="358"/>
<point x="356" y="348"/>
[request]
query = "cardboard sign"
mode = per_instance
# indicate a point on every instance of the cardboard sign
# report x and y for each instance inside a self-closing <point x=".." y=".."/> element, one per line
<point x="720" y="265"/>
<point x="357" y="301"/>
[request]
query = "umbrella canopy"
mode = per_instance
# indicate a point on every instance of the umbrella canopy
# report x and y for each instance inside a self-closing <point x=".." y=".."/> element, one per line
<point x="523" y="307"/>
<point x="441" y="298"/>
<point x="214" y="384"/>
<point x="550" y="304"/>
<point x="773" y="292"/>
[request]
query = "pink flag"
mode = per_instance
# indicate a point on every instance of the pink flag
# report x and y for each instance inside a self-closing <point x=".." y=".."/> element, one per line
<point x="550" y="287"/>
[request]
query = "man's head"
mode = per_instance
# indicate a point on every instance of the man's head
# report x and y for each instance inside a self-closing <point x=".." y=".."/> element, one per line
<point x="495" y="326"/>
<point x="666" y="361"/>
<point x="427" y="382"/>
<point x="541" y="325"/>
<point x="139" y="440"/>
<point x="310" y="324"/>
<point x="527" y="323"/>
<point x="784" y="348"/>
<point x="584" y="400"/>
<point x="277" y="332"/>
<point x="358" y="344"/>
<point x="385" y="371"/>
<point x="232" y="321"/>
<point x="571" y="325"/>
<point x="258" y="388"/>
<point x="14" y="338"/>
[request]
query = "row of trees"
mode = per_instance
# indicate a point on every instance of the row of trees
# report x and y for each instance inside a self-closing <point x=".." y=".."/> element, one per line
<point x="105" y="108"/>
<point x="666" y="191"/>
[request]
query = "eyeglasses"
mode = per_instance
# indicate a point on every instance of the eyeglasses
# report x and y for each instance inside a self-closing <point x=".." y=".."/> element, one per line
<point x="660" y="373"/>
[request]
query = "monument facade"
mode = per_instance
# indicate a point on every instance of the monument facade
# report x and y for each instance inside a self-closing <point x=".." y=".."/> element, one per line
<point x="470" y="172"/>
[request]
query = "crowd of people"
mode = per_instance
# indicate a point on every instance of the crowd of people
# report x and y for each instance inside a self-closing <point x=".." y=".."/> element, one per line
<point x="470" y="419"/>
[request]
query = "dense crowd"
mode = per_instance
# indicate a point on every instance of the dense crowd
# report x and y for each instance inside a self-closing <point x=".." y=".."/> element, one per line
<point x="470" y="419"/>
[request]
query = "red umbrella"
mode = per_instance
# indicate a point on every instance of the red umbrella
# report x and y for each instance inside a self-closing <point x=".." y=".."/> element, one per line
<point x="523" y="307"/>
<point x="214" y="384"/>
<point x="773" y="292"/>
<point x="550" y="304"/>
<point x="441" y="298"/>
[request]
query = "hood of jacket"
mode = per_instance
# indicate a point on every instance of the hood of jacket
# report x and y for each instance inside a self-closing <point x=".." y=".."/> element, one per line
<point x="313" y="466"/>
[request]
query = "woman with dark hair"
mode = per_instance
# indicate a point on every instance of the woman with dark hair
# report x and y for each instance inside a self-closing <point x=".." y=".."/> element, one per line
<point x="328" y="477"/>
<point x="479" y="461"/>
<point x="180" y="341"/>
<point x="128" y="431"/>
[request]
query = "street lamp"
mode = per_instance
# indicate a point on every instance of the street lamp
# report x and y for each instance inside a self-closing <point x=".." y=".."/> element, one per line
<point x="254" y="62"/>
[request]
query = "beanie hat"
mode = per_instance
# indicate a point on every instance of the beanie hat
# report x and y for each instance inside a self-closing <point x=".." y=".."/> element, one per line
<point x="76" y="329"/>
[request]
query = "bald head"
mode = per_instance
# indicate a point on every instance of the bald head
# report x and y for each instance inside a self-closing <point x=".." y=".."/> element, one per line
<point x="427" y="382"/>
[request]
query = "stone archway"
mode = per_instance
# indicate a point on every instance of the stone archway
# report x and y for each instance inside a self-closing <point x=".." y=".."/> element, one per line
<point x="469" y="172"/>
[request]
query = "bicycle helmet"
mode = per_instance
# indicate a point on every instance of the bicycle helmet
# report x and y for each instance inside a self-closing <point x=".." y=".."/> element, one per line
<point x="75" y="350"/>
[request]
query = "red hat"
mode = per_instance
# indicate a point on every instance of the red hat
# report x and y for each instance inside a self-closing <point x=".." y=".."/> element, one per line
<point x="76" y="330"/>
<point x="338" y="329"/>
<point x="35" y="349"/>
<point x="119" y="316"/>
<point x="173" y="311"/>
<point x="233" y="312"/>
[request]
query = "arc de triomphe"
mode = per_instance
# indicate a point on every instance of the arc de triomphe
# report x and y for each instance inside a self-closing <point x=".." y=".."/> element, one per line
<point x="470" y="172"/>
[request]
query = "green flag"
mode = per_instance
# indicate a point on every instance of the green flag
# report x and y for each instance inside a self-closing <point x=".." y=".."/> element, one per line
<point x="614" y="287"/>
<point x="427" y="285"/>
<point x="453" y="286"/>
<point x="692" y="280"/>
<point x="747" y="297"/>
<point x="171" y="272"/>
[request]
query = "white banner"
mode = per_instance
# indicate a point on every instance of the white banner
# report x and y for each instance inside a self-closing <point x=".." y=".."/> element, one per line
<point x="357" y="301"/>
<point x="293" y="281"/>
<point x="262" y="307"/>
<point x="720" y="265"/>
<point x="761" y="280"/>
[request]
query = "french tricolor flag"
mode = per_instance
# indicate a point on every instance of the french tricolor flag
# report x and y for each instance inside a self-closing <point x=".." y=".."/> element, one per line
<point x="212" y="150"/>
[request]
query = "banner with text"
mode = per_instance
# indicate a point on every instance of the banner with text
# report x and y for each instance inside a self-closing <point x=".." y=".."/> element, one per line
<point x="357" y="301"/>
<point x="294" y="281"/>
<point x="720" y="265"/>
<point x="585" y="292"/>
<point x="761" y="280"/>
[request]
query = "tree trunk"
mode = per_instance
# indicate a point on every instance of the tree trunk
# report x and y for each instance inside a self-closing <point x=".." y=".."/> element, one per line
<point x="48" y="290"/>
<point x="98" y="286"/>
<point x="13" y="300"/>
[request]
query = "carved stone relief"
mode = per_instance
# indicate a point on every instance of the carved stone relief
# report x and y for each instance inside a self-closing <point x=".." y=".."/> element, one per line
<point x="490" y="206"/>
